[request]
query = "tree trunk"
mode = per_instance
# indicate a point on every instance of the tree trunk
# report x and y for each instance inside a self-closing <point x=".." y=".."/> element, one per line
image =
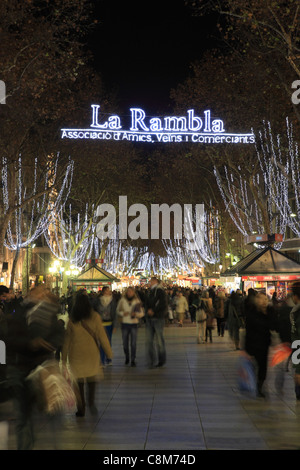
<point x="26" y="270"/>
<point x="13" y="269"/>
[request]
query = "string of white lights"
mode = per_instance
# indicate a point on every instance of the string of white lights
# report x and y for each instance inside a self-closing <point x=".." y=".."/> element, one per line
<point x="279" y="162"/>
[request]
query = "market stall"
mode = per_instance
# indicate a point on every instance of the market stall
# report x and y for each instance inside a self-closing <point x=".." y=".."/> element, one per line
<point x="94" y="278"/>
<point x="266" y="270"/>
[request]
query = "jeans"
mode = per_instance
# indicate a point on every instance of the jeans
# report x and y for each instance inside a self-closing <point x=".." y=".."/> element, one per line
<point x="129" y="335"/>
<point x="220" y="326"/>
<point x="201" y="329"/>
<point x="109" y="330"/>
<point x="155" y="342"/>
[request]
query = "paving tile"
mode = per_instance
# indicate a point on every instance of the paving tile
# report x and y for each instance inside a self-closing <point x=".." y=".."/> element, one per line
<point x="193" y="403"/>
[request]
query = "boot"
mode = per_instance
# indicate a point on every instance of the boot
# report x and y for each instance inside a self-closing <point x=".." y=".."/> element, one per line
<point x="81" y="401"/>
<point x="259" y="390"/>
<point x="92" y="390"/>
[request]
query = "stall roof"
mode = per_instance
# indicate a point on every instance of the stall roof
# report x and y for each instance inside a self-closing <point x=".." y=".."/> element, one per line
<point x="95" y="274"/>
<point x="264" y="261"/>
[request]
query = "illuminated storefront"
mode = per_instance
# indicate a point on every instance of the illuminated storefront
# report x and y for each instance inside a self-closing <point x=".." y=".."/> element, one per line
<point x="266" y="270"/>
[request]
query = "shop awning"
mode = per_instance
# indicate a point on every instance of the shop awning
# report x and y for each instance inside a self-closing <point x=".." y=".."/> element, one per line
<point x="263" y="262"/>
<point x="95" y="274"/>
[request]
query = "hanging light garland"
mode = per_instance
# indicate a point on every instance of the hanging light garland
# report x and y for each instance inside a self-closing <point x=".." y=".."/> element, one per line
<point x="33" y="213"/>
<point x="279" y="162"/>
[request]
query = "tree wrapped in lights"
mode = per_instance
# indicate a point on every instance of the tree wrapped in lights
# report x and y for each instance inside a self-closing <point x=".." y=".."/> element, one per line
<point x="263" y="197"/>
<point x="248" y="201"/>
<point x="31" y="194"/>
<point x="280" y="166"/>
<point x="72" y="238"/>
<point x="201" y="246"/>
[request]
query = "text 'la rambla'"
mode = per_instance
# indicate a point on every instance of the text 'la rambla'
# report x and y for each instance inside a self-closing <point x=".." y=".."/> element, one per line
<point x="188" y="128"/>
<point x="139" y="122"/>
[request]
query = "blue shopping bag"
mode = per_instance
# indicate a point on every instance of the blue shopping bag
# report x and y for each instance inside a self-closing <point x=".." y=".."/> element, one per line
<point x="246" y="374"/>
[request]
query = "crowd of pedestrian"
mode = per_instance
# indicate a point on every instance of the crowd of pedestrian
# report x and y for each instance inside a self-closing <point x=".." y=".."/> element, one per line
<point x="34" y="333"/>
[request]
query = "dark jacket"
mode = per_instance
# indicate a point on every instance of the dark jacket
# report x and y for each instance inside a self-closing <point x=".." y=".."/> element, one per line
<point x="258" y="330"/>
<point x="295" y="323"/>
<point x="157" y="301"/>
<point x="284" y="322"/>
<point x="26" y="324"/>
<point x="107" y="312"/>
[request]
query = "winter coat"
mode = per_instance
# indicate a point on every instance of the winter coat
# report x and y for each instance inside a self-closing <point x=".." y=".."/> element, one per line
<point x="157" y="301"/>
<point x="27" y="323"/>
<point x="81" y="349"/>
<point x="220" y="304"/>
<point x="210" y="320"/>
<point x="258" y="330"/>
<point x="284" y="322"/>
<point x="107" y="309"/>
<point x="181" y="304"/>
<point x="295" y="323"/>
<point x="133" y="307"/>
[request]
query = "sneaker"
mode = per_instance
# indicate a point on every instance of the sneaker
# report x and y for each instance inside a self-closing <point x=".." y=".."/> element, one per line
<point x="133" y="364"/>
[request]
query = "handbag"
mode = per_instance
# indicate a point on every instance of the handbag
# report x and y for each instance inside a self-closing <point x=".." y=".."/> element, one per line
<point x="88" y="329"/>
<point x="55" y="394"/>
<point x="200" y="315"/>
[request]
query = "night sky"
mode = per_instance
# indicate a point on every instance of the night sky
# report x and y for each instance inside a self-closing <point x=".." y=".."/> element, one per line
<point x="143" y="49"/>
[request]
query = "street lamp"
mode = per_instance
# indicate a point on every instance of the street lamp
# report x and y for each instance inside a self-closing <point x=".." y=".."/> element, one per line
<point x="73" y="271"/>
<point x="55" y="270"/>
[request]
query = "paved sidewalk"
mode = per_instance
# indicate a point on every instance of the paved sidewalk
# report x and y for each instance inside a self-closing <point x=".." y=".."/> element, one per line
<point x="192" y="403"/>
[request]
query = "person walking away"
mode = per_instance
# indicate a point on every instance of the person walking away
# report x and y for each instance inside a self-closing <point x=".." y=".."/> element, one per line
<point x="193" y="304"/>
<point x="283" y="312"/>
<point x="208" y="302"/>
<point x="220" y="312"/>
<point x="234" y="320"/>
<point x="84" y="334"/>
<point x="295" y="332"/>
<point x="210" y="324"/>
<point x="106" y="306"/>
<point x="156" y="309"/>
<point x="32" y="336"/>
<point x="201" y="316"/>
<point x="130" y="310"/>
<point x="181" y="306"/>
<point x="260" y="321"/>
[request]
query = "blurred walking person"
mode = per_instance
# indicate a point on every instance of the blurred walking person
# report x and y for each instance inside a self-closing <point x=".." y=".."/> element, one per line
<point x="181" y="307"/>
<point x="84" y="335"/>
<point x="235" y="318"/>
<point x="156" y="310"/>
<point x="130" y="310"/>
<point x="295" y="332"/>
<point x="260" y="321"/>
<point x="32" y="336"/>
<point x="201" y="316"/>
<point x="220" y="312"/>
<point x="106" y="306"/>
<point x="283" y="314"/>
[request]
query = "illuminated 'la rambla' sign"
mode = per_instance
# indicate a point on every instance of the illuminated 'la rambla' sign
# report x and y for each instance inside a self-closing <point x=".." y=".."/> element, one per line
<point x="169" y="129"/>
